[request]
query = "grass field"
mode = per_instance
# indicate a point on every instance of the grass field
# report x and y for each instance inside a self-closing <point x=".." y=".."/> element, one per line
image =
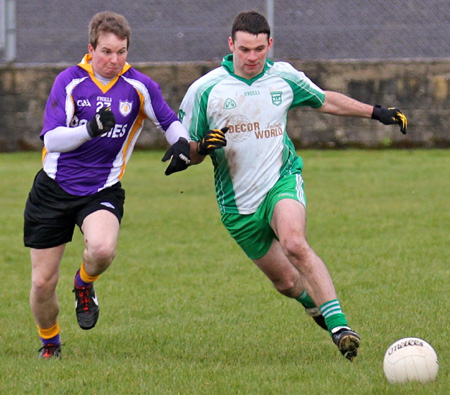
<point x="183" y="311"/>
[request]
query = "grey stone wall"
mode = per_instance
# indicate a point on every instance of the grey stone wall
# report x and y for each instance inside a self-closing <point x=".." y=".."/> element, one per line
<point x="419" y="88"/>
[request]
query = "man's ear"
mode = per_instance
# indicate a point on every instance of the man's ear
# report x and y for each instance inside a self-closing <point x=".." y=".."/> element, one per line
<point x="231" y="44"/>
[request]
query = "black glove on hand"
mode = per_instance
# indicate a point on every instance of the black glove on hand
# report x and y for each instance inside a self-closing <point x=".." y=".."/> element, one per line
<point x="213" y="140"/>
<point x="390" y="116"/>
<point x="103" y="122"/>
<point x="180" y="155"/>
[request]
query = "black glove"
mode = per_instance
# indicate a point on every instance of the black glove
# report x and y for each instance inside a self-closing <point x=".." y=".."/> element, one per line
<point x="103" y="122"/>
<point x="213" y="140"/>
<point x="389" y="116"/>
<point x="180" y="155"/>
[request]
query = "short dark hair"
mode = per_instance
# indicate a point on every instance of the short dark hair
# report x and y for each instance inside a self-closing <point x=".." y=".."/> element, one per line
<point x="108" y="22"/>
<point x="251" y="22"/>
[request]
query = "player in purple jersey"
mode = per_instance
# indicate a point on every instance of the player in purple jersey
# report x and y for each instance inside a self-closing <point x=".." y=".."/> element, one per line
<point x="93" y="117"/>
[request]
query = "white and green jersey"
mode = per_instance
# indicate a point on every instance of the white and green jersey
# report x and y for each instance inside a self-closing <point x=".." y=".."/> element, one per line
<point x="258" y="150"/>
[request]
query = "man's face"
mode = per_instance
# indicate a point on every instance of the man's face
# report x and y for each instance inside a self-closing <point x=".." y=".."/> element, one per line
<point x="110" y="55"/>
<point x="249" y="53"/>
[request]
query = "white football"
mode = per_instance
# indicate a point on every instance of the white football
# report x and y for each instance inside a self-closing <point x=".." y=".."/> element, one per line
<point x="410" y="359"/>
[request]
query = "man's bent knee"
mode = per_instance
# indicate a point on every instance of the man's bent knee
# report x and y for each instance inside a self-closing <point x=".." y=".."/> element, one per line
<point x="100" y="254"/>
<point x="295" y="247"/>
<point x="103" y="253"/>
<point x="42" y="288"/>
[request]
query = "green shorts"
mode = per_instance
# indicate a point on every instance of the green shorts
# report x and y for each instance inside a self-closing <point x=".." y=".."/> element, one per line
<point x="253" y="232"/>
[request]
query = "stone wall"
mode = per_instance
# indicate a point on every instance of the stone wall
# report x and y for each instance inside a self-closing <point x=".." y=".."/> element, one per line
<point x="419" y="88"/>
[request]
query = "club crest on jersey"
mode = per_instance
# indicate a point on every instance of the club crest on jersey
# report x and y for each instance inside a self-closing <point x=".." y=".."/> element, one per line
<point x="125" y="107"/>
<point x="276" y="98"/>
<point x="229" y="103"/>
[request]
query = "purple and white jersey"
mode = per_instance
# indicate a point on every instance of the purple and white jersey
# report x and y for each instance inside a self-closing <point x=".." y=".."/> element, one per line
<point x="75" y="98"/>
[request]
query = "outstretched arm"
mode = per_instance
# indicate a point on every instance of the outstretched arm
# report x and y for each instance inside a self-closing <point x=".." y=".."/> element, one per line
<point x="339" y="104"/>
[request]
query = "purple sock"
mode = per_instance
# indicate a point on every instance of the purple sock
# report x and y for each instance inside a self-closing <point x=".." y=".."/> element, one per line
<point x="52" y="340"/>
<point x="79" y="283"/>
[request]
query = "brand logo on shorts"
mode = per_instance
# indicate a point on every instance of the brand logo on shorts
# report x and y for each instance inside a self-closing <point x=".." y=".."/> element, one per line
<point x="125" y="107"/>
<point x="108" y="204"/>
<point x="286" y="194"/>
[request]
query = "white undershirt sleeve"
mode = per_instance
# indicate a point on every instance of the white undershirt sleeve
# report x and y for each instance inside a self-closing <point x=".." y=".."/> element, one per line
<point x="175" y="131"/>
<point x="64" y="139"/>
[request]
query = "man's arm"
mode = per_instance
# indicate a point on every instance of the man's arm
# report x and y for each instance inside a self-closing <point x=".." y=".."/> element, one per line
<point x="178" y="152"/>
<point x="196" y="158"/>
<point x="65" y="139"/>
<point x="214" y="139"/>
<point x="338" y="104"/>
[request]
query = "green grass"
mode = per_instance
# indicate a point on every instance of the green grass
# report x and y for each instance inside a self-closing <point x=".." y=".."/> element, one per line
<point x="183" y="311"/>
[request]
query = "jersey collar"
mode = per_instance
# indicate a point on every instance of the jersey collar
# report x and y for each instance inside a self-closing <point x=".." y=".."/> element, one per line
<point x="85" y="64"/>
<point x="227" y="63"/>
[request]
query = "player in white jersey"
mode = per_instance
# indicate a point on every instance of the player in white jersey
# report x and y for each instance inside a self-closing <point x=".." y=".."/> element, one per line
<point x="258" y="175"/>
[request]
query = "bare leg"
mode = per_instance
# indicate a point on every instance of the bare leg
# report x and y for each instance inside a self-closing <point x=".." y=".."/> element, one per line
<point x="44" y="279"/>
<point x="284" y="276"/>
<point x="101" y="232"/>
<point x="289" y="223"/>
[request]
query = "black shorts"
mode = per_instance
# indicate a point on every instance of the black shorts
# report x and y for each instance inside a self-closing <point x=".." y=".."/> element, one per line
<point x="51" y="213"/>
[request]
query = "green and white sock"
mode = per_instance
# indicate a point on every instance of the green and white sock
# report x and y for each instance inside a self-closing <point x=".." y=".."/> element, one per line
<point x="334" y="317"/>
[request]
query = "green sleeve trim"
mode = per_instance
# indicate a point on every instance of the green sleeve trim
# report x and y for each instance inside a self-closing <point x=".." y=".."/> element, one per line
<point x="304" y="93"/>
